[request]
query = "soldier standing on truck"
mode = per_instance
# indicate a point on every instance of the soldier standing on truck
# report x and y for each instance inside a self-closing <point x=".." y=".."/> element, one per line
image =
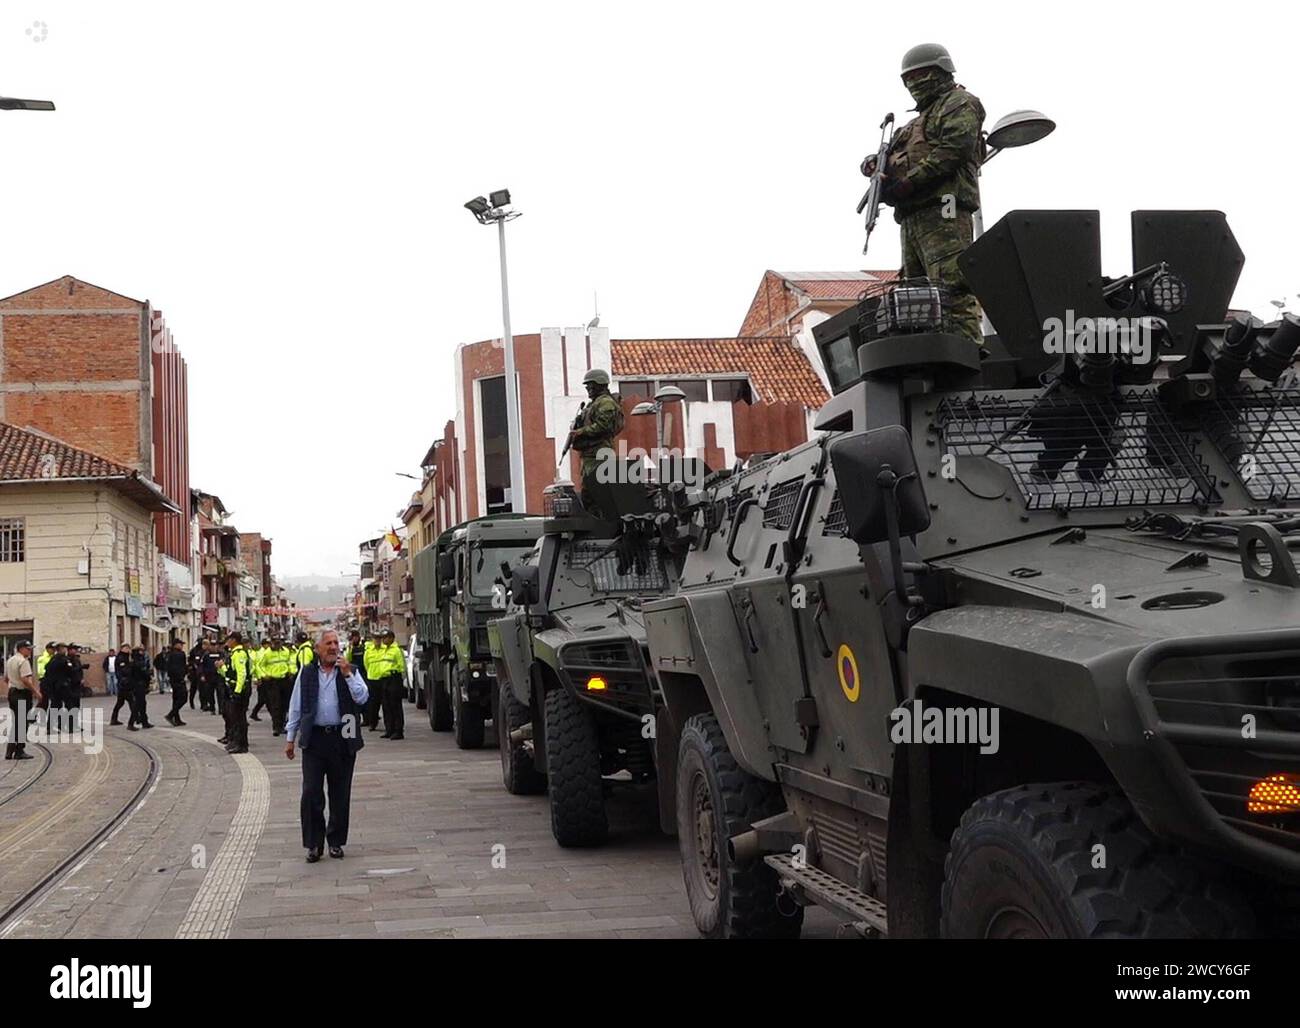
<point x="600" y="422"/>
<point x="932" y="178"/>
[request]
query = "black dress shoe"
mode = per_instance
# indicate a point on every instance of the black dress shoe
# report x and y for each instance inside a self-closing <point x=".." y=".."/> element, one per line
<point x="386" y="735"/>
<point x="132" y="728"/>
<point x="179" y="723"/>
<point x="313" y="856"/>
<point x="147" y="724"/>
<point x="222" y="741"/>
<point x="275" y="732"/>
<point x="399" y="735"/>
<point x="115" y="721"/>
<point x="336" y="852"/>
<point x="23" y="756"/>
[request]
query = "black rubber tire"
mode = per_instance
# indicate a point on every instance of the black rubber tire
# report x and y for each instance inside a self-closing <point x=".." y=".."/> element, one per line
<point x="518" y="772"/>
<point x="468" y="720"/>
<point x="1021" y="865"/>
<point x="418" y="695"/>
<point x="728" y="900"/>
<point x="439" y="702"/>
<point x="573" y="772"/>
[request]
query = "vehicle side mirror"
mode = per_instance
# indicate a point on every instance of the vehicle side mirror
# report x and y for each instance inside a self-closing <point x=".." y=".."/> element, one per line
<point x="525" y="585"/>
<point x="869" y="466"/>
<point x="446" y="567"/>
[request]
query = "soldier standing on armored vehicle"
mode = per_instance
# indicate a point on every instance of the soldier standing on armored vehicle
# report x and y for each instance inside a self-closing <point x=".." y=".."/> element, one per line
<point x="593" y="434"/>
<point x="932" y="178"/>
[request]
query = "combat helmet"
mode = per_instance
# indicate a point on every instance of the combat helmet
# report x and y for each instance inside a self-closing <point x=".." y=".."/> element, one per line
<point x="927" y="55"/>
<point x="597" y="375"/>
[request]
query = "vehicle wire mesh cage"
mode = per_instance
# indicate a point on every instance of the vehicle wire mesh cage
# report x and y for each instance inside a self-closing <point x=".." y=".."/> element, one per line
<point x="601" y="562"/>
<point x="1258" y="432"/>
<point x="1067" y="452"/>
<point x="904" y="307"/>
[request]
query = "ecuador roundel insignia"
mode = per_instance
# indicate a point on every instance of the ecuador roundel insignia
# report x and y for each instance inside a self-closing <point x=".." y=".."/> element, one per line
<point x="847" y="665"/>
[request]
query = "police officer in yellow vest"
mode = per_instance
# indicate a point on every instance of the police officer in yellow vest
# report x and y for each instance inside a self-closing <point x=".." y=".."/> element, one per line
<point x="264" y="694"/>
<point x="304" y="653"/>
<point x="388" y="675"/>
<point x="277" y="671"/>
<point x="374" y="705"/>
<point x="239" y="680"/>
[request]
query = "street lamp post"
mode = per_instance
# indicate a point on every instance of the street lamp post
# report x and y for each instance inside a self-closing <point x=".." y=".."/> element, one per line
<point x="497" y="209"/>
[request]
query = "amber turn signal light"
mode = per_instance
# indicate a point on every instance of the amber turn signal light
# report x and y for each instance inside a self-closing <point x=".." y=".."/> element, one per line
<point x="1276" y="794"/>
<point x="596" y="684"/>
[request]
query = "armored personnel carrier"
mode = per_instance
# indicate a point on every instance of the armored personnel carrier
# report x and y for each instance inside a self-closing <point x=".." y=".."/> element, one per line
<point x="578" y="706"/>
<point x="458" y="588"/>
<point x="1011" y="649"/>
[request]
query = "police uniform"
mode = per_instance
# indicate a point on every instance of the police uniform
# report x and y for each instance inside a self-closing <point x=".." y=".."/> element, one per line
<point x="387" y="671"/>
<point x="277" y="680"/>
<point x="263" y="692"/>
<point x="239" y="681"/>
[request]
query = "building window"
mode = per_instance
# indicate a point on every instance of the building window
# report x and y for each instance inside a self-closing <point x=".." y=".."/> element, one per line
<point x="496" y="446"/>
<point x="696" y="389"/>
<point x="729" y="390"/>
<point x="636" y="387"/>
<point x="12" y="541"/>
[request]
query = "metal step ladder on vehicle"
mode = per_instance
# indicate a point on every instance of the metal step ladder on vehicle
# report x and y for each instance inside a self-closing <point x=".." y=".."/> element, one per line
<point x="806" y="885"/>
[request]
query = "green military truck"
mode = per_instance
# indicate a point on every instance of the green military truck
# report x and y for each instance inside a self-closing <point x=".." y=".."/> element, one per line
<point x="457" y="589"/>
<point x="578" y="703"/>
<point x="1011" y="649"/>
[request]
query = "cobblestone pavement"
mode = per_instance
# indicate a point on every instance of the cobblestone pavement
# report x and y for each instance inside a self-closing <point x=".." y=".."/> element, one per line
<point x="438" y="849"/>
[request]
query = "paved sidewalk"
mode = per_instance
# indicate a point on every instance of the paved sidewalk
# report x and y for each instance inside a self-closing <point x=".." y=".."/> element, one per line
<point x="438" y="849"/>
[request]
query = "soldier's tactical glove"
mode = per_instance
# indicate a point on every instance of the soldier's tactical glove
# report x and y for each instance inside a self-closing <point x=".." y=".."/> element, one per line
<point x="868" y="165"/>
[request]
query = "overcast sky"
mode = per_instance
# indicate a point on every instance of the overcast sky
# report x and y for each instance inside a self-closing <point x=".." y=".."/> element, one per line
<point x="285" y="181"/>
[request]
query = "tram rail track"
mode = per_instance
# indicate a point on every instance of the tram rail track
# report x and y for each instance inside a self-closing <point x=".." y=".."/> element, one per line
<point x="15" y="912"/>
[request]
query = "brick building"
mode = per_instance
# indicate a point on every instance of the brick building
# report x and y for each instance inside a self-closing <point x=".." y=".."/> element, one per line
<point x="756" y="392"/>
<point x="788" y="304"/>
<point x="100" y="371"/>
<point x="76" y="547"/>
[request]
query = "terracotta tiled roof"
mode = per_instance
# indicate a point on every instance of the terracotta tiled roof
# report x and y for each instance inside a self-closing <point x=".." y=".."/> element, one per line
<point x="778" y="369"/>
<point x="27" y="456"/>
<point x="835" y="285"/>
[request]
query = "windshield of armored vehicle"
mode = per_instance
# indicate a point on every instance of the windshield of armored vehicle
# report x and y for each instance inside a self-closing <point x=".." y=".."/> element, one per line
<point x="1067" y="451"/>
<point x="485" y="563"/>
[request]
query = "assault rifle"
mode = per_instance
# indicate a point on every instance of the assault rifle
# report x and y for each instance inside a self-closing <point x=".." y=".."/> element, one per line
<point x="871" y="199"/>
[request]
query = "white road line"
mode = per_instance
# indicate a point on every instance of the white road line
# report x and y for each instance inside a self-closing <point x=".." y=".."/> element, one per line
<point x="213" y="910"/>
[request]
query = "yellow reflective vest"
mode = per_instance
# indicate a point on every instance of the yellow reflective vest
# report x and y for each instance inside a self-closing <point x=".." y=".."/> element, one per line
<point x="259" y="660"/>
<point x="278" y="663"/>
<point x="304" y="655"/>
<point x="386" y="661"/>
<point x="41" y="661"/>
<point x="239" y="669"/>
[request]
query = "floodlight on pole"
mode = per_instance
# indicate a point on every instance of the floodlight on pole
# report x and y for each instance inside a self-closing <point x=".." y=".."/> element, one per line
<point x="1019" y="128"/>
<point x="486" y="212"/>
<point x="11" y="103"/>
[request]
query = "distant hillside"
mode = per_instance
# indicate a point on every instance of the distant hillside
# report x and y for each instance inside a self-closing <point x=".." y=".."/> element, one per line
<point x="318" y="591"/>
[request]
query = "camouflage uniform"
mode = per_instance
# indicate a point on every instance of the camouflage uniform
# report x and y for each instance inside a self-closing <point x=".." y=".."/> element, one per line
<point x="602" y="420"/>
<point x="939" y="154"/>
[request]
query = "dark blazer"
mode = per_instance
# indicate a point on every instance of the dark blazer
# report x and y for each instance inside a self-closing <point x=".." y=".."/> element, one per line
<point x="310" y="700"/>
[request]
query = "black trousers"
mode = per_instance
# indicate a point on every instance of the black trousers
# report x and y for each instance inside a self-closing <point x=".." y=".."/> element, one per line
<point x="394" y="693"/>
<point x="281" y="692"/>
<point x="20" y="705"/>
<point x="179" y="694"/>
<point x="123" y="696"/>
<point x="263" y="695"/>
<point x="327" y="764"/>
<point x="237" y="718"/>
<point x="375" y="704"/>
<point x="194" y="688"/>
<point x="137" y="700"/>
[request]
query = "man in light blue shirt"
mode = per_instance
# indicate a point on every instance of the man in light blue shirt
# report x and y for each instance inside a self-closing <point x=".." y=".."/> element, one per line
<point x="325" y="713"/>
